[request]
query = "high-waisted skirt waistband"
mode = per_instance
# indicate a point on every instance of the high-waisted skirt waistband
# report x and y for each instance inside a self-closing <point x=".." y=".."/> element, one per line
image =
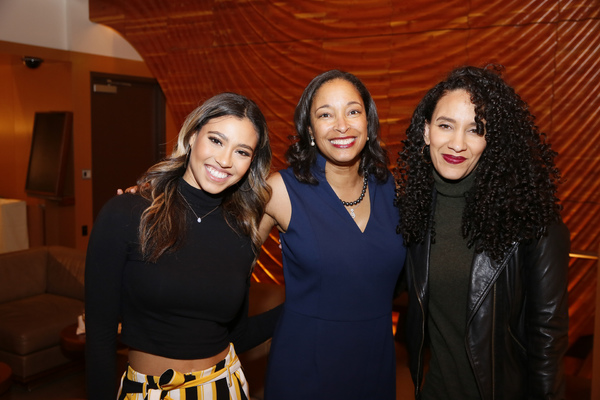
<point x="225" y="380"/>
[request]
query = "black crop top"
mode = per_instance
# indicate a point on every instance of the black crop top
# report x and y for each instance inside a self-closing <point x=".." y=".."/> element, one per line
<point x="190" y="304"/>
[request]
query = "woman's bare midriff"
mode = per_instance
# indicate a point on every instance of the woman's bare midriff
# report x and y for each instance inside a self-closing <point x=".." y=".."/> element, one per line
<point x="150" y="364"/>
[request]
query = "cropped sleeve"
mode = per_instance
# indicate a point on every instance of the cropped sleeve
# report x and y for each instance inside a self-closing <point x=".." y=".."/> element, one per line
<point x="114" y="230"/>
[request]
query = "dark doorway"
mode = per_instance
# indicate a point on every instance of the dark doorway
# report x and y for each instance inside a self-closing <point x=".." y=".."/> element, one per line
<point x="128" y="132"/>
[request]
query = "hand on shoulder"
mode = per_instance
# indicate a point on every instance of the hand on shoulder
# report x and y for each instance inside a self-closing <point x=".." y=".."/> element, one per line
<point x="130" y="189"/>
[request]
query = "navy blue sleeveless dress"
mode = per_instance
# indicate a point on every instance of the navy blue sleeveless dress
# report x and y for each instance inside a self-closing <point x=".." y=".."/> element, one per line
<point x="334" y="338"/>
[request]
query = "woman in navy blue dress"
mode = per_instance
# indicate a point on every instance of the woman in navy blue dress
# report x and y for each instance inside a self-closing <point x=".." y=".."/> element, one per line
<point x="341" y="254"/>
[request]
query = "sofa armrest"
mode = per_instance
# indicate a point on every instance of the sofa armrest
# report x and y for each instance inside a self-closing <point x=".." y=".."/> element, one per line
<point x="66" y="272"/>
<point x="22" y="274"/>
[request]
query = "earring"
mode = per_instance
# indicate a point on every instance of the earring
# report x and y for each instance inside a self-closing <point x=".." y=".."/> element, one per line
<point x="426" y="157"/>
<point x="312" y="141"/>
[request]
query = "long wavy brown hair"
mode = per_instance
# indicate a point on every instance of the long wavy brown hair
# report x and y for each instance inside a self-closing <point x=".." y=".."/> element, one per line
<point x="514" y="194"/>
<point x="162" y="224"/>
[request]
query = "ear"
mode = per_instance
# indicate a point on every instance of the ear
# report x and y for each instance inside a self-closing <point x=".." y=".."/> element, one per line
<point x="193" y="140"/>
<point x="426" y="134"/>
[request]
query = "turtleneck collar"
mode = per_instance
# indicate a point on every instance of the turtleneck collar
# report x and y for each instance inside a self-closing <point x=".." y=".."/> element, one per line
<point x="198" y="197"/>
<point x="451" y="188"/>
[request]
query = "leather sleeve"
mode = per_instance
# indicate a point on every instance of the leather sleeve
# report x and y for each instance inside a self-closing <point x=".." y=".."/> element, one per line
<point x="547" y="312"/>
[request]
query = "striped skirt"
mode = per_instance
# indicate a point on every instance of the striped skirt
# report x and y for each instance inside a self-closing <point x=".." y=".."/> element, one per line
<point x="224" y="381"/>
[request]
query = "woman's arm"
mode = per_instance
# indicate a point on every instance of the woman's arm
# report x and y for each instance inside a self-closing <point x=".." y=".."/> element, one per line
<point x="279" y="208"/>
<point x="248" y="332"/>
<point x="105" y="260"/>
<point x="547" y="312"/>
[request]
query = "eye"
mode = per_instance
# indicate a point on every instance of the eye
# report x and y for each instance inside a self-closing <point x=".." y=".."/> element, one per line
<point x="324" y="115"/>
<point x="474" y="131"/>
<point x="355" y="112"/>
<point x="215" y="140"/>
<point x="444" y="126"/>
<point x="244" y="153"/>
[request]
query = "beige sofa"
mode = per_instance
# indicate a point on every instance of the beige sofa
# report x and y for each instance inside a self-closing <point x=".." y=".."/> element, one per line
<point x="41" y="292"/>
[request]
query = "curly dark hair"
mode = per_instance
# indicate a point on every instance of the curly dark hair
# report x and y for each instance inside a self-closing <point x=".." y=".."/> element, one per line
<point x="301" y="156"/>
<point x="513" y="197"/>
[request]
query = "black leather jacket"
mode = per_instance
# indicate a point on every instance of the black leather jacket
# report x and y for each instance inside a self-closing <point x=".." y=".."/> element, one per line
<point x="517" y="329"/>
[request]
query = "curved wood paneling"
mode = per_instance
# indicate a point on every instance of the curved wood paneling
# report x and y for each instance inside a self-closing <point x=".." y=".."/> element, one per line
<point x="269" y="50"/>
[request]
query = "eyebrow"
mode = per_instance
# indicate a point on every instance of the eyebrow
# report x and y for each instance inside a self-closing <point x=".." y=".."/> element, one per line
<point x="448" y="119"/>
<point x="347" y="104"/>
<point x="226" y="138"/>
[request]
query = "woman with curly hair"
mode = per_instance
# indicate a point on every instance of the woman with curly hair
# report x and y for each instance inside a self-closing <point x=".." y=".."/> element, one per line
<point x="173" y="264"/>
<point x="334" y="208"/>
<point x="487" y="252"/>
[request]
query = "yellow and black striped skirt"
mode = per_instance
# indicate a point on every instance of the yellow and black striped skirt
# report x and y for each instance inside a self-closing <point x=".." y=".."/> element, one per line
<point x="224" y="381"/>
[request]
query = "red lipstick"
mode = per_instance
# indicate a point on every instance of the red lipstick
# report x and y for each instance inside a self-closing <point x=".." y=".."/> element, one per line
<point x="453" y="159"/>
<point x="343" y="142"/>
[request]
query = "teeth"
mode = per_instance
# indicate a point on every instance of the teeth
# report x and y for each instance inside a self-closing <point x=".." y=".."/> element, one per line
<point x="216" y="174"/>
<point x="342" y="141"/>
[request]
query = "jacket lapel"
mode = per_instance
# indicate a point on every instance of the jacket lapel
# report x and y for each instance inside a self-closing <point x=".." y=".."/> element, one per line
<point x="484" y="274"/>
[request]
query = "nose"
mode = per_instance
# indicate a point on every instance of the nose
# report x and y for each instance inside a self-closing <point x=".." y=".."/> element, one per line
<point x="224" y="159"/>
<point x="342" y="125"/>
<point x="457" y="142"/>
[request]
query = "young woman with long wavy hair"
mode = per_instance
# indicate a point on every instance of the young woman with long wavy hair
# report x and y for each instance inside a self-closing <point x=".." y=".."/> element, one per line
<point x="173" y="263"/>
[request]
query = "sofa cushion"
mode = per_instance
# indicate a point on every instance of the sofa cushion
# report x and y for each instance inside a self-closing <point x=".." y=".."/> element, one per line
<point x="22" y="274"/>
<point x="34" y="323"/>
<point x="26" y="367"/>
<point x="66" y="270"/>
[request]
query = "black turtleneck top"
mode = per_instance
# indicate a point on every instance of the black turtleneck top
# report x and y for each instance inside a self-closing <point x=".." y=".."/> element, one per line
<point x="450" y="374"/>
<point x="190" y="304"/>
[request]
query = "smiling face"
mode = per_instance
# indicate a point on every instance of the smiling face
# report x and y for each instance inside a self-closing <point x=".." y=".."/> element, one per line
<point x="454" y="144"/>
<point x="339" y="122"/>
<point x="221" y="153"/>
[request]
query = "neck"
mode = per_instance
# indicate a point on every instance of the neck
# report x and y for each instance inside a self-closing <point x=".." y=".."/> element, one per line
<point x="347" y="183"/>
<point x="343" y="176"/>
<point x="453" y="188"/>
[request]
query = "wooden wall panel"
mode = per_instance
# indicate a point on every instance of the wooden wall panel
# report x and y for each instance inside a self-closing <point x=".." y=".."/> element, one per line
<point x="572" y="10"/>
<point x="269" y="50"/>
<point x="576" y="128"/>
<point x="512" y="13"/>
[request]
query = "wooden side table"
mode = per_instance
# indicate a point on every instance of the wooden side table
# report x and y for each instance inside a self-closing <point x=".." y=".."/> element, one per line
<point x="72" y="343"/>
<point x="5" y="377"/>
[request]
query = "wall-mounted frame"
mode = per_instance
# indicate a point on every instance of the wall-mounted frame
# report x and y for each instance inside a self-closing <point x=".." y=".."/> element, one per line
<point x="51" y="156"/>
